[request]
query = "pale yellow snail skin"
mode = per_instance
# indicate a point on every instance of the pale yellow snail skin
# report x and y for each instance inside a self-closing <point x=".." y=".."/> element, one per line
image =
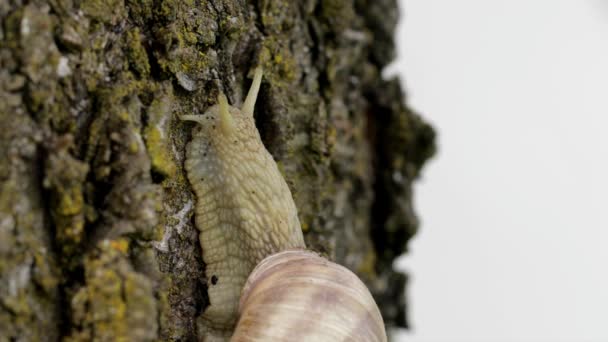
<point x="244" y="212"/>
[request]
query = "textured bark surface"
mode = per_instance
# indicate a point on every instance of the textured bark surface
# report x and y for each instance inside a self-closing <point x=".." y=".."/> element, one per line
<point x="96" y="232"/>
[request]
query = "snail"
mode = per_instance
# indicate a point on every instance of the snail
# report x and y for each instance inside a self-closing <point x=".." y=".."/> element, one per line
<point x="247" y="219"/>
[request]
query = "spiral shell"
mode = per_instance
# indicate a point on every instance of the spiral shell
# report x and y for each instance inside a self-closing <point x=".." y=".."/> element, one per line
<point x="296" y="295"/>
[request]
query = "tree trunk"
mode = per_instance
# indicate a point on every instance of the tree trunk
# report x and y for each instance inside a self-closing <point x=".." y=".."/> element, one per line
<point x="96" y="232"/>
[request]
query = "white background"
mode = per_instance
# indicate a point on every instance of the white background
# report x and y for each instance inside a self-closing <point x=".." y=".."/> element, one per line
<point x="513" y="244"/>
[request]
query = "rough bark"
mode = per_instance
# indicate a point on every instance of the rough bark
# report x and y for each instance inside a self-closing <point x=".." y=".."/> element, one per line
<point x="96" y="233"/>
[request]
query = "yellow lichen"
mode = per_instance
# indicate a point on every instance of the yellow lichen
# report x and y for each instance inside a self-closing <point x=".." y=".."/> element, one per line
<point x="138" y="58"/>
<point x="156" y="134"/>
<point x="116" y="303"/>
<point x="121" y="245"/>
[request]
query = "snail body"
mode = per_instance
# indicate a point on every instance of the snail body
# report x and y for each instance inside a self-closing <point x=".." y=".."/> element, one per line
<point x="246" y="217"/>
<point x="244" y="210"/>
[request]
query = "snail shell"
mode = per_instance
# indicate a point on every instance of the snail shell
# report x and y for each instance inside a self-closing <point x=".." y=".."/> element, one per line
<point x="296" y="295"/>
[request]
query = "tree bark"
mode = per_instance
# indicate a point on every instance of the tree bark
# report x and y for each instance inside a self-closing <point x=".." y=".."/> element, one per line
<point x="96" y="233"/>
